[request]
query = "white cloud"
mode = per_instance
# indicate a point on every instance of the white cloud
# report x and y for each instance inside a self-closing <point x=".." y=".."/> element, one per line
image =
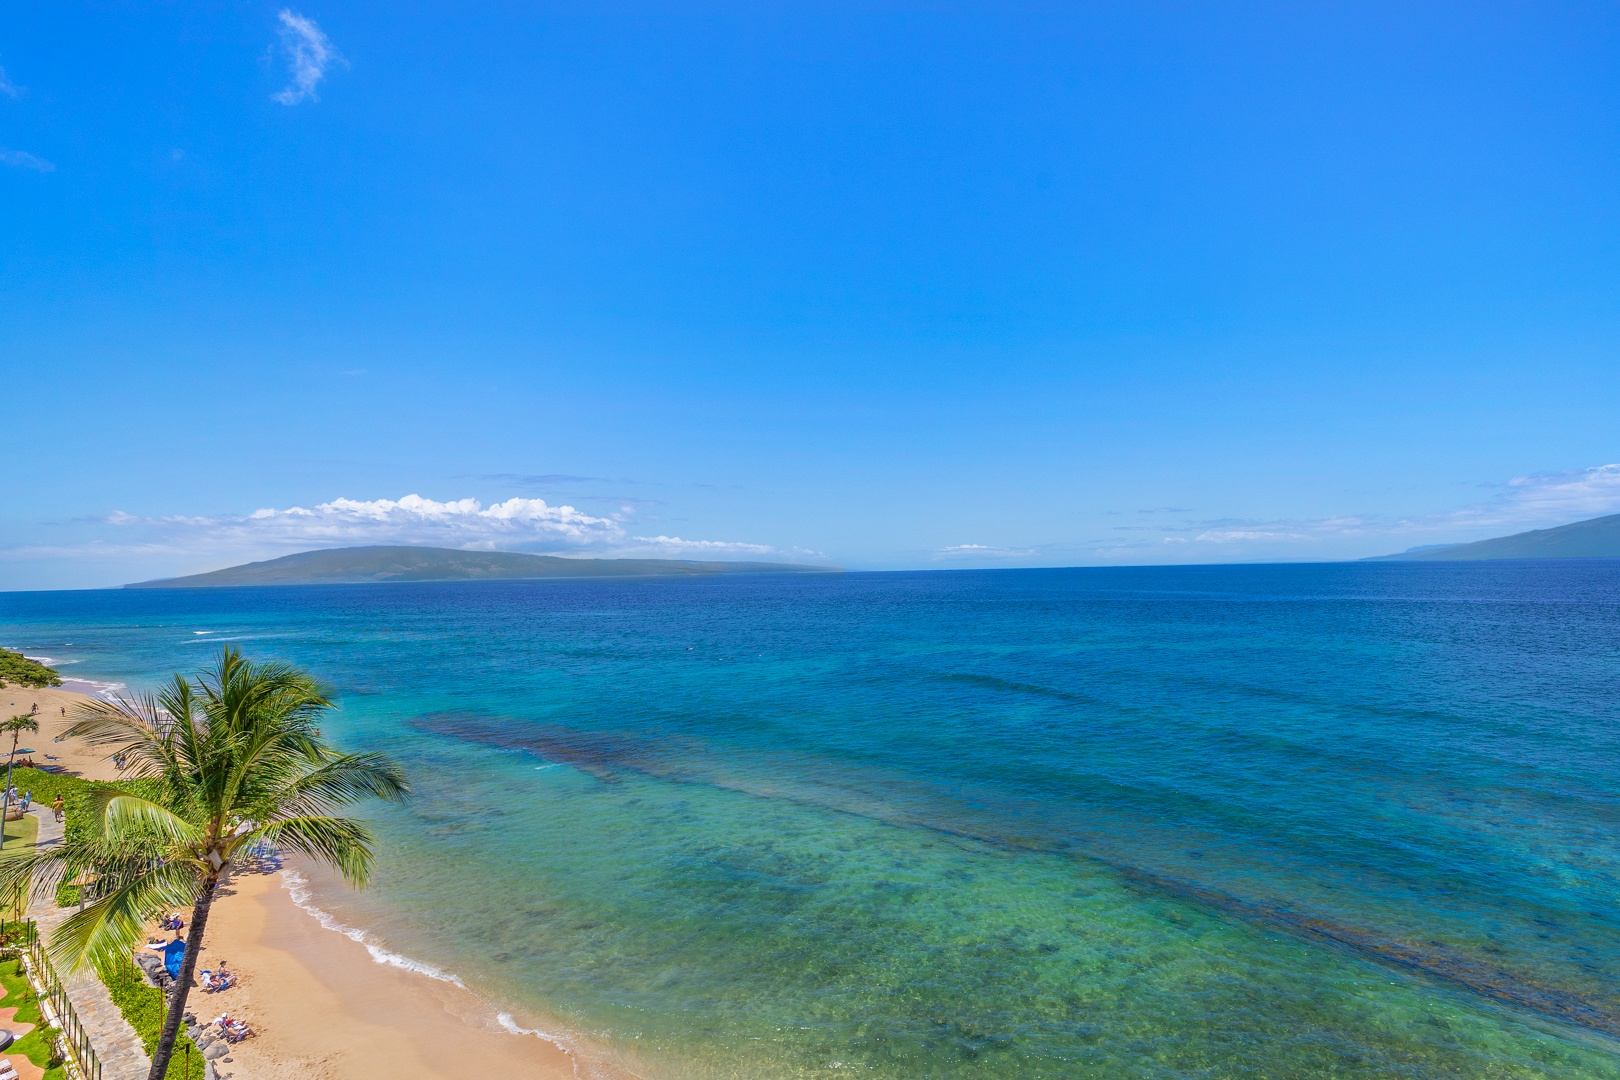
<point x="516" y="524"/>
<point x="982" y="551"/>
<point x="674" y="545"/>
<point x="23" y="160"/>
<point x="1572" y="494"/>
<point x="1234" y="536"/>
<point x="409" y="520"/>
<point x="1536" y="501"/>
<point x="7" y="87"/>
<point x="309" y="53"/>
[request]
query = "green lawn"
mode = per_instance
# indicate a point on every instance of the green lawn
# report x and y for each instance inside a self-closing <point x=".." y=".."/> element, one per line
<point x="36" y="1045"/>
<point x="22" y="832"/>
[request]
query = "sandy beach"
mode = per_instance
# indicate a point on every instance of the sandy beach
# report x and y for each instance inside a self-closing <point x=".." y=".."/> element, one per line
<point x="55" y="713"/>
<point x="322" y="1007"/>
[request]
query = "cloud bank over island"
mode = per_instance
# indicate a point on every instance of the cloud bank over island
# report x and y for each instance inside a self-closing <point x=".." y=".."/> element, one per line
<point x="516" y="524"/>
<point x="131" y="546"/>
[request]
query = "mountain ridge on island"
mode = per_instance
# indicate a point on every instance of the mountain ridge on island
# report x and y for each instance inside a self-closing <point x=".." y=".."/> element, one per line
<point x="1595" y="538"/>
<point x="363" y="565"/>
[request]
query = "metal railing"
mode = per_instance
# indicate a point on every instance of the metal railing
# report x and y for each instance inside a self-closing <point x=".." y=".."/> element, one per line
<point x="21" y="937"/>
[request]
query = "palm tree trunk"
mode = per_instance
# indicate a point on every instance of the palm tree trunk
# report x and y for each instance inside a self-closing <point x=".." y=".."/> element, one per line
<point x="182" y="985"/>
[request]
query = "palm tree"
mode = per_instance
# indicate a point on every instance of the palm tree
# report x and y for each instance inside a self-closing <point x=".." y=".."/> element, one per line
<point x="16" y="725"/>
<point x="218" y="765"/>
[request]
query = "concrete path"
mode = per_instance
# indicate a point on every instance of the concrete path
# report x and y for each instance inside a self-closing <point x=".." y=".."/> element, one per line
<point x="119" y="1048"/>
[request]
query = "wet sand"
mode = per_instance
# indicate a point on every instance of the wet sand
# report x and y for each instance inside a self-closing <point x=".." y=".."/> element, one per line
<point x="322" y="1007"/>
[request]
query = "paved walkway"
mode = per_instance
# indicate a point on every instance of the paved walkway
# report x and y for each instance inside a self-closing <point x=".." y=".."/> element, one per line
<point x="119" y="1048"/>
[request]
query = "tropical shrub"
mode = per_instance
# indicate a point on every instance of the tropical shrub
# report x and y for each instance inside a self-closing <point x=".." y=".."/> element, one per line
<point x="18" y="670"/>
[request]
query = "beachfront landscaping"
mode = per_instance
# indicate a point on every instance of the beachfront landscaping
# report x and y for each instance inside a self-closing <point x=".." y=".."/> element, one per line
<point x="143" y="1005"/>
<point x="39" y="1044"/>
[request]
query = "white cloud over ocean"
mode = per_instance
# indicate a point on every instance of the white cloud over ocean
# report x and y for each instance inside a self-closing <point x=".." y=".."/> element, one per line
<point x="309" y="53"/>
<point x="1533" y="501"/>
<point x="981" y="551"/>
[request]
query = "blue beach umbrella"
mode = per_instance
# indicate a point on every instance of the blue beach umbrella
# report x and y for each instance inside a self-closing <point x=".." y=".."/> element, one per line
<point x="173" y="952"/>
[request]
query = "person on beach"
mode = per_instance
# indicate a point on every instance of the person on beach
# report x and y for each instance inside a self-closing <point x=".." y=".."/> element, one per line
<point x="56" y="808"/>
<point x="27" y="799"/>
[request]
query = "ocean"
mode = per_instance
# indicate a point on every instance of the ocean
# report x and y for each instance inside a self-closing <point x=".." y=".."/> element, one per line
<point x="1353" y="820"/>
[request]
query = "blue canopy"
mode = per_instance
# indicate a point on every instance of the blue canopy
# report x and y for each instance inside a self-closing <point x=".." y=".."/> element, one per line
<point x="173" y="952"/>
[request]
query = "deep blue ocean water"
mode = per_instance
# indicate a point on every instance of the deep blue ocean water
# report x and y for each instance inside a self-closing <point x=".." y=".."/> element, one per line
<point x="1268" y="821"/>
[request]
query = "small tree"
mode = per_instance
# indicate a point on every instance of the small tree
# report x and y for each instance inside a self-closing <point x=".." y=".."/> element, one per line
<point x="16" y="725"/>
<point x="223" y="762"/>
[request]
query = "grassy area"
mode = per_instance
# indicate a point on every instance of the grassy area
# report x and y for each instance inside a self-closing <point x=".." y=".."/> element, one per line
<point x="22" y="832"/>
<point x="37" y="1044"/>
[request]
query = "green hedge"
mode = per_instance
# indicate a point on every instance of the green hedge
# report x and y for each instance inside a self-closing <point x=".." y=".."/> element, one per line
<point x="144" y="1007"/>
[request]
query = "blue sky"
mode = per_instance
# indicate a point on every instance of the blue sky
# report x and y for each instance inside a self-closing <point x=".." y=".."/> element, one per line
<point x="905" y="285"/>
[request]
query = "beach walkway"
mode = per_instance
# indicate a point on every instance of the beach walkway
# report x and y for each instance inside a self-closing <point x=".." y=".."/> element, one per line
<point x="119" y="1048"/>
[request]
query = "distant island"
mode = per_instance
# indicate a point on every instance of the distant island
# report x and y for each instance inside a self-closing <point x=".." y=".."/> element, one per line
<point x="1596" y="538"/>
<point x="359" y="565"/>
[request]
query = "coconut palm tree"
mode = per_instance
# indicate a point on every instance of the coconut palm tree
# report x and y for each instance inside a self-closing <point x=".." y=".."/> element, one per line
<point x="16" y="726"/>
<point x="215" y="766"/>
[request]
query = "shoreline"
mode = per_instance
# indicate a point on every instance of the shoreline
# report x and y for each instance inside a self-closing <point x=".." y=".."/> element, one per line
<point x="323" y="1006"/>
<point x="325" y="1001"/>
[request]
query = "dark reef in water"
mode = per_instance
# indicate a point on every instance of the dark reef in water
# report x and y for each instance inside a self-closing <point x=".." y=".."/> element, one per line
<point x="606" y="756"/>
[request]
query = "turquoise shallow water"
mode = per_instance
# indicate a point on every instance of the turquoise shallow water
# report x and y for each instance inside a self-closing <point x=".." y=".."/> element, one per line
<point x="1302" y="821"/>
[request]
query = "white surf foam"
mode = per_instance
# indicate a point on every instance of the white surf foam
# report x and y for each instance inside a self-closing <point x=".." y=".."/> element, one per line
<point x="106" y="691"/>
<point x="297" y="886"/>
<point x="511" y="1025"/>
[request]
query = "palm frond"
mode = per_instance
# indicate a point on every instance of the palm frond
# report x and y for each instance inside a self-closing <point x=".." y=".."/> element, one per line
<point x="34" y="870"/>
<point x="115" y="923"/>
<point x="343" y="780"/>
<point x="342" y="843"/>
<point x="39" y="870"/>
<point x="134" y="727"/>
<point x="120" y="812"/>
